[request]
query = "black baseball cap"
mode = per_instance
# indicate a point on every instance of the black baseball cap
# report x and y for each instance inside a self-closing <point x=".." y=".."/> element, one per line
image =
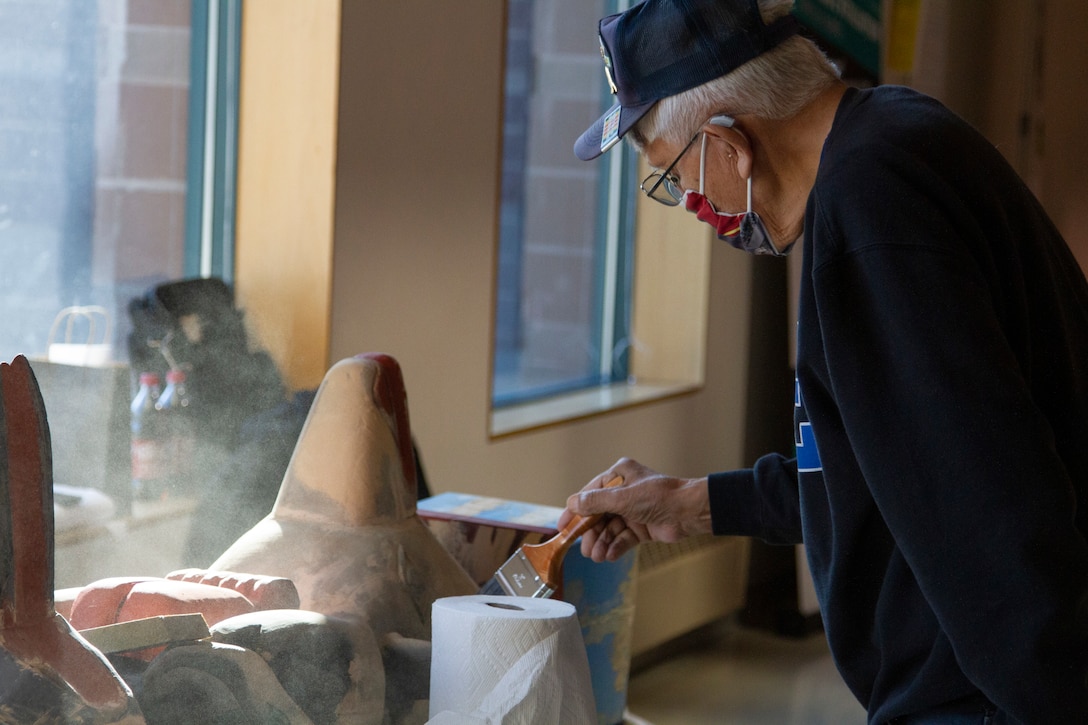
<point x="660" y="48"/>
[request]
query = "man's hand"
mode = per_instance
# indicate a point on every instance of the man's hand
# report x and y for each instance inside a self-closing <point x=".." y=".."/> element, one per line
<point x="647" y="506"/>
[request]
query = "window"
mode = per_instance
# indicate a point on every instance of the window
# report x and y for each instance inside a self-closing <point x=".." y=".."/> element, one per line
<point x="106" y="183"/>
<point x="565" y="257"/>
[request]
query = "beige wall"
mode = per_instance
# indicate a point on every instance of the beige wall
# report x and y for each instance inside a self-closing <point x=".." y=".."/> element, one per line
<point x="415" y="257"/>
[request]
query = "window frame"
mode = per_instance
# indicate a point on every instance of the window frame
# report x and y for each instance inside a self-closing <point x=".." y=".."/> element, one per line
<point x="612" y="276"/>
<point x="657" y="326"/>
<point x="212" y="149"/>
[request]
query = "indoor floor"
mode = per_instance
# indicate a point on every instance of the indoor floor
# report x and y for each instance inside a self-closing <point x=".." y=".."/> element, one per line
<point x="729" y="674"/>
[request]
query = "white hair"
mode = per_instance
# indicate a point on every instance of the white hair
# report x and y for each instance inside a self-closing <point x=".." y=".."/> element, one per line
<point x="775" y="85"/>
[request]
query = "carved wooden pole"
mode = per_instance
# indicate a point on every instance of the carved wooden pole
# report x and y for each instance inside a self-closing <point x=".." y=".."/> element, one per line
<point x="47" y="672"/>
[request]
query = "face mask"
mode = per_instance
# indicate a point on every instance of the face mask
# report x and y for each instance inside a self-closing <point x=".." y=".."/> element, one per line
<point x="743" y="231"/>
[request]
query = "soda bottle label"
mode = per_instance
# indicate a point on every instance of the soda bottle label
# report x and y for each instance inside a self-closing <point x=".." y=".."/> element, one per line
<point x="147" y="463"/>
<point x="148" y="457"/>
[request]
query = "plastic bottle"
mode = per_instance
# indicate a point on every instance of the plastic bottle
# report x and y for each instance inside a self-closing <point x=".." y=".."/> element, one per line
<point x="175" y="409"/>
<point x="148" y="441"/>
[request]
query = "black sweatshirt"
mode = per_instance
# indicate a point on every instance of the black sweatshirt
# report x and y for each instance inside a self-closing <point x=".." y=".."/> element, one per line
<point x="943" y="379"/>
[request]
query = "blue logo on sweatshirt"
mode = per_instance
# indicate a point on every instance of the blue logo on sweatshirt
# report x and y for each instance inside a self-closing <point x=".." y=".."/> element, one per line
<point x="808" y="456"/>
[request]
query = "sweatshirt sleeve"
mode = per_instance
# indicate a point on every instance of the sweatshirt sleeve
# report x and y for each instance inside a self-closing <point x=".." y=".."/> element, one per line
<point x="761" y="501"/>
<point x="959" y="459"/>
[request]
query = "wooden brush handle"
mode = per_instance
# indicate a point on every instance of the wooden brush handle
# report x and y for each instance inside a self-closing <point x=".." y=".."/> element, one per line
<point x="547" y="557"/>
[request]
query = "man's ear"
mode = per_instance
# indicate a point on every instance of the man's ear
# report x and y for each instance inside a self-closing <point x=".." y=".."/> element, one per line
<point x="738" y="149"/>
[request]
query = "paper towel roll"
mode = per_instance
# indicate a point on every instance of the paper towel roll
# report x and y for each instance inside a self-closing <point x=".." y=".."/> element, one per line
<point x="508" y="661"/>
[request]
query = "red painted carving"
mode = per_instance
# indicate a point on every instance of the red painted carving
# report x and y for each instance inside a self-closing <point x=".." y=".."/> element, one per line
<point x="344" y="527"/>
<point x="47" y="672"/>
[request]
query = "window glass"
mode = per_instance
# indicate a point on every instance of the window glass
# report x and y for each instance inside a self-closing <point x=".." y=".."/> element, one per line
<point x="563" y="277"/>
<point x="93" y="144"/>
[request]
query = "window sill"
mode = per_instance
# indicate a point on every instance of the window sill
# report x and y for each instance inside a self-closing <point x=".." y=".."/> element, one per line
<point x="582" y="404"/>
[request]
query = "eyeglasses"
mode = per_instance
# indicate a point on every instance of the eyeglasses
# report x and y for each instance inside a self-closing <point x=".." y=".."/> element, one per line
<point x="664" y="186"/>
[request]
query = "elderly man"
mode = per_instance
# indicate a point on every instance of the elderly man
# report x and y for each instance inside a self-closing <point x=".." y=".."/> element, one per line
<point x="940" y="475"/>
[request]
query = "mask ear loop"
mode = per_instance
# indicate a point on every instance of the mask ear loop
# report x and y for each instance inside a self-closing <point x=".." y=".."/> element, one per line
<point x="702" y="163"/>
<point x="726" y="122"/>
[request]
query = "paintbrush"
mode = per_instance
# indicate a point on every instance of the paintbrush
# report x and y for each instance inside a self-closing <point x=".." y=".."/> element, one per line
<point x="535" y="569"/>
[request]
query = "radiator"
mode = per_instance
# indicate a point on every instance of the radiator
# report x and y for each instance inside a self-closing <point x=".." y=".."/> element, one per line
<point x="683" y="586"/>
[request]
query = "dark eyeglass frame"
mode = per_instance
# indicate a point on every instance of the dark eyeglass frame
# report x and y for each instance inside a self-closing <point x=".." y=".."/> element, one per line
<point x="666" y="186"/>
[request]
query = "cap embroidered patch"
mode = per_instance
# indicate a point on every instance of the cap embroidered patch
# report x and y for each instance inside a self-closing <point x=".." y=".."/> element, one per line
<point x="610" y="133"/>
<point x="608" y="67"/>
